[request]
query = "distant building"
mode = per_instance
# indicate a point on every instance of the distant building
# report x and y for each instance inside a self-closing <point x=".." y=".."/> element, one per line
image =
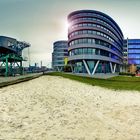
<point x="60" y="52"/>
<point x="131" y="53"/>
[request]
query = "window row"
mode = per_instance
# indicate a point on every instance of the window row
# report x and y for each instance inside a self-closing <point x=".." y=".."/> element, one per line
<point x="133" y="50"/>
<point x="56" y="63"/>
<point x="60" y="54"/>
<point x="134" y="61"/>
<point x="133" y="46"/>
<point x="56" y="59"/>
<point x="60" y="50"/>
<point x="91" y="51"/>
<point x="88" y="51"/>
<point x="116" y="50"/>
<point x="60" y="47"/>
<point x="91" y="25"/>
<point x="89" y="41"/>
<point x="60" y="43"/>
<point x="133" y="56"/>
<point x="83" y="51"/>
<point x="93" y="41"/>
<point x="93" y="19"/>
<point x="115" y="57"/>
<point x="91" y="32"/>
<point x="133" y="41"/>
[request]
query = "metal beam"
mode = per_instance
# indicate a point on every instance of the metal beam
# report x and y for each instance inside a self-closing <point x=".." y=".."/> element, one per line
<point x="71" y="68"/>
<point x="114" y="68"/>
<point x="21" y="71"/>
<point x="11" y="68"/>
<point x="61" y="68"/>
<point x="94" y="70"/>
<point x="111" y="67"/>
<point x="6" y="70"/>
<point x="58" y="69"/>
<point x="86" y="66"/>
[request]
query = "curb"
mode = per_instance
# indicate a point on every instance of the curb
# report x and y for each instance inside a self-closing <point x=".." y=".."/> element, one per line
<point x="20" y="80"/>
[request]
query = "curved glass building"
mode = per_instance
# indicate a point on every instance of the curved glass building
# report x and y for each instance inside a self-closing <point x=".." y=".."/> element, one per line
<point x="95" y="43"/>
<point x="60" y="51"/>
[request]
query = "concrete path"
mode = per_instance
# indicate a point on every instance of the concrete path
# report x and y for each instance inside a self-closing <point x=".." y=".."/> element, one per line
<point x="5" y="81"/>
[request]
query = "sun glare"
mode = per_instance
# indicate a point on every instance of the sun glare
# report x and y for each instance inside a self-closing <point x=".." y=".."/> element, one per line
<point x="65" y="27"/>
<point x="67" y="24"/>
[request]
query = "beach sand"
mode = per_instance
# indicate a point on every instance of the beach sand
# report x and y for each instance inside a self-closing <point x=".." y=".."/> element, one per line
<point x="54" y="108"/>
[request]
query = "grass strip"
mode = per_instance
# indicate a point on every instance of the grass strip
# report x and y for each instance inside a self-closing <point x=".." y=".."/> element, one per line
<point x="116" y="83"/>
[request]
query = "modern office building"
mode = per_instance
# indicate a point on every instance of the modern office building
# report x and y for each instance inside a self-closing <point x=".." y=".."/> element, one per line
<point x="95" y="43"/>
<point x="60" y="52"/>
<point x="133" y="51"/>
<point x="132" y="54"/>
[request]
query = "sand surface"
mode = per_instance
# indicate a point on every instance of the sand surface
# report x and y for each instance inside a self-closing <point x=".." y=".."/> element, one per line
<point x="54" y="108"/>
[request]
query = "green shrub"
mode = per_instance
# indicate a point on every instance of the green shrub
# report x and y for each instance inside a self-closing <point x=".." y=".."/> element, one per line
<point x="127" y="74"/>
<point x="67" y="68"/>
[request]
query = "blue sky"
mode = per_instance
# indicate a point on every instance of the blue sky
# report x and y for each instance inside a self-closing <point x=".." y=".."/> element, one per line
<point x="41" y="22"/>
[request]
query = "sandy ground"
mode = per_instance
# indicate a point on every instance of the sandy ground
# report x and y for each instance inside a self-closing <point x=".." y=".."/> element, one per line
<point x="54" y="108"/>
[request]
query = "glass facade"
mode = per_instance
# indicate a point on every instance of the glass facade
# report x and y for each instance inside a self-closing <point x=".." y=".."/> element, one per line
<point x="90" y="51"/>
<point x="95" y="42"/>
<point x="103" y="67"/>
<point x="90" y="25"/>
<point x="99" y="18"/>
<point x="134" y="51"/>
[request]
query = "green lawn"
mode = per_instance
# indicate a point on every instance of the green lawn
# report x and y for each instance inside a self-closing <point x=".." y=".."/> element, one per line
<point x="117" y="83"/>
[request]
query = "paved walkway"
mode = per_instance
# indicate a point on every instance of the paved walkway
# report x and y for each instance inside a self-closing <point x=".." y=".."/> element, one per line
<point x="6" y="81"/>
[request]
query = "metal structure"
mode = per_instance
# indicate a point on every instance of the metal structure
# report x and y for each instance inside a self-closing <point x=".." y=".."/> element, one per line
<point x="11" y="56"/>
